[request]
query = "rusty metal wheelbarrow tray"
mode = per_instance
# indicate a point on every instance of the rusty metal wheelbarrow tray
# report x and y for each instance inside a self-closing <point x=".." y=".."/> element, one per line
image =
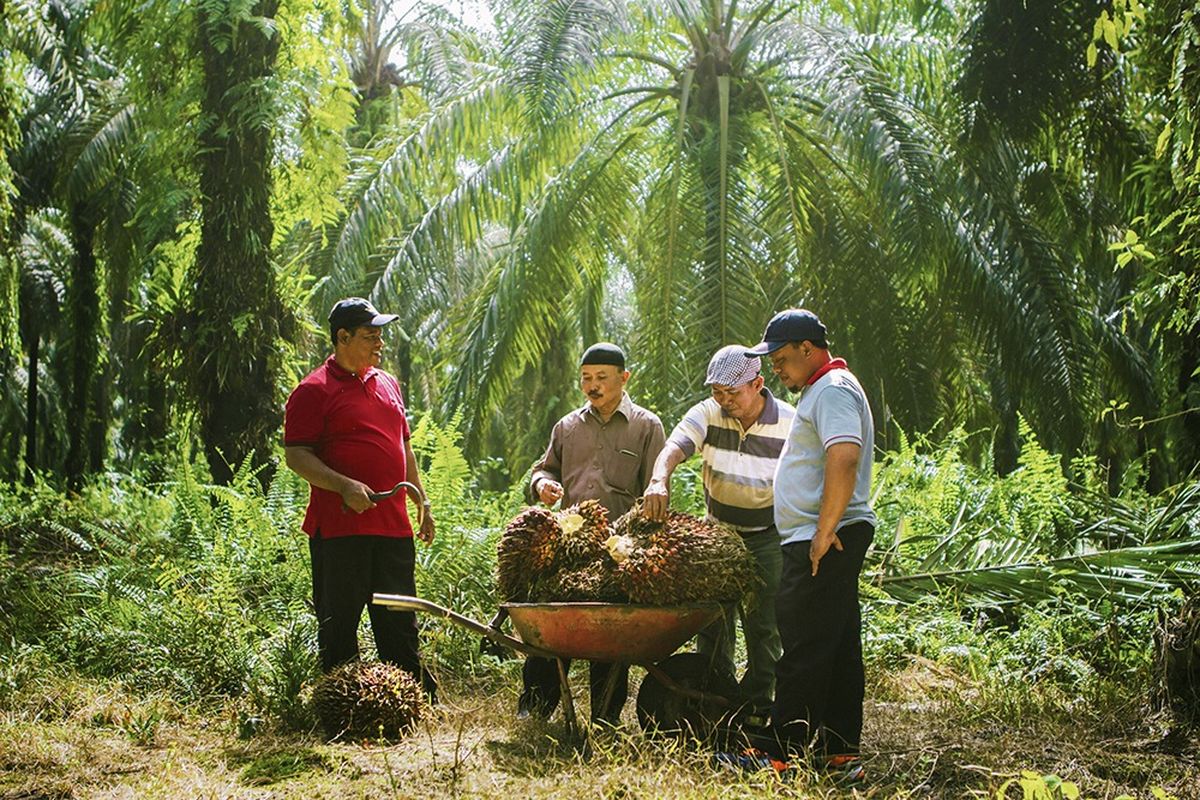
<point x="594" y="631"/>
<point x="629" y="634"/>
<point x="632" y="634"/>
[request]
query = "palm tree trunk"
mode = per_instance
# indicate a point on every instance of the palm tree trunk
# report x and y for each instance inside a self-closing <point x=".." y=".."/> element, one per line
<point x="234" y="356"/>
<point x="1189" y="383"/>
<point x="31" y="409"/>
<point x="84" y="309"/>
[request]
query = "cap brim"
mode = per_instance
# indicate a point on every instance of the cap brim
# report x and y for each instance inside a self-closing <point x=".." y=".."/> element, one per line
<point x="764" y="348"/>
<point x="382" y="319"/>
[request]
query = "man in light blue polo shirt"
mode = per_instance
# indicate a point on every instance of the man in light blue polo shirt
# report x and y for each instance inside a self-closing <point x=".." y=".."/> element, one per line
<point x="739" y="433"/>
<point x="825" y="523"/>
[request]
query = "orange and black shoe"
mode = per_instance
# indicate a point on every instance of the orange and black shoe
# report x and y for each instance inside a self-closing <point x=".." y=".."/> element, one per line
<point x="846" y="769"/>
<point x="752" y="760"/>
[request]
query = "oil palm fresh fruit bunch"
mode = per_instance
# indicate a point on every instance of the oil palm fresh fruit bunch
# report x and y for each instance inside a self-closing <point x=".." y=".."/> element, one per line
<point x="367" y="700"/>
<point x="584" y="531"/>
<point x="526" y="552"/>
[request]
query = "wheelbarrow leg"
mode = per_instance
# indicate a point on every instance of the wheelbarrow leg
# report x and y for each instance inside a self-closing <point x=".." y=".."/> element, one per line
<point x="567" y="701"/>
<point x="615" y="673"/>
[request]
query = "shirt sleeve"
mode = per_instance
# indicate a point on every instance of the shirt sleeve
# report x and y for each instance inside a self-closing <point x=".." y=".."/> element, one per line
<point x="405" y="430"/>
<point x="654" y="445"/>
<point x="551" y="464"/>
<point x="837" y="417"/>
<point x="303" y="417"/>
<point x="689" y="434"/>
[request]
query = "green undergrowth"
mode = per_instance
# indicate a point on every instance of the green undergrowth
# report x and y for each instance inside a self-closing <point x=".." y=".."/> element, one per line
<point x="145" y="609"/>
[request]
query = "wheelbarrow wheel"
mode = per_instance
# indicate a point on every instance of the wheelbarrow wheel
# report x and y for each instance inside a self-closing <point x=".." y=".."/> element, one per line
<point x="661" y="710"/>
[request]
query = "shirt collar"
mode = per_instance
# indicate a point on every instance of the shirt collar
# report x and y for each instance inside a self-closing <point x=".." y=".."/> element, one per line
<point x="829" y="366"/>
<point x="342" y="374"/>
<point x="770" y="412"/>
<point x="624" y="408"/>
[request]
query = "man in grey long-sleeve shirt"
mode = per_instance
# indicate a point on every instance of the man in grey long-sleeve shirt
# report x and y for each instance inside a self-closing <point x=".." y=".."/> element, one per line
<point x="604" y="451"/>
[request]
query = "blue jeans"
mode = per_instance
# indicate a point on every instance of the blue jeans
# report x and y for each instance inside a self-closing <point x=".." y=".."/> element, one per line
<point x="763" y="646"/>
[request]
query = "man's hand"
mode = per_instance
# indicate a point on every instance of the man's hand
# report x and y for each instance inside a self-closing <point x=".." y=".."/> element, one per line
<point x="355" y="496"/>
<point x="425" y="534"/>
<point x="550" y="492"/>
<point x="656" y="500"/>
<point x="820" y="546"/>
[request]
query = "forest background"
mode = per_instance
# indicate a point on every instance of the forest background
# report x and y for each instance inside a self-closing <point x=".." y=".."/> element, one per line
<point x="993" y="205"/>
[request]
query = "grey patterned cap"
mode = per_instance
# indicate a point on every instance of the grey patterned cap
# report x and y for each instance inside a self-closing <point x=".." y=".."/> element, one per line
<point x="730" y="367"/>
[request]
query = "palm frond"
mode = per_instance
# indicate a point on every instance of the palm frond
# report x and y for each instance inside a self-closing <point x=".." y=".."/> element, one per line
<point x="1128" y="576"/>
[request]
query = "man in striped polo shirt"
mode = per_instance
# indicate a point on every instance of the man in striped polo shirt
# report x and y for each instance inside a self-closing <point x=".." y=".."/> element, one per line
<point x="739" y="433"/>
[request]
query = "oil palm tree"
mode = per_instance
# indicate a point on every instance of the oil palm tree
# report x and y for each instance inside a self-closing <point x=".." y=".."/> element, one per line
<point x="74" y="136"/>
<point x="706" y="163"/>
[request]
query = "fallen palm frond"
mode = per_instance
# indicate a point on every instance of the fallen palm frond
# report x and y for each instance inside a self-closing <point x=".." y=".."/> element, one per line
<point x="1128" y="552"/>
<point x="1128" y="575"/>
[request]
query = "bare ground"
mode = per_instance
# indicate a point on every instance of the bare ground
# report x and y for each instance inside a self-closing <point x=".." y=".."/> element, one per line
<point x="929" y="734"/>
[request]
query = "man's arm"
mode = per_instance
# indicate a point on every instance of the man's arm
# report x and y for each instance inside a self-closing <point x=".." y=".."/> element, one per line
<point x="413" y="475"/>
<point x="657" y="497"/>
<point x="545" y="483"/>
<point x="841" y="474"/>
<point x="307" y="464"/>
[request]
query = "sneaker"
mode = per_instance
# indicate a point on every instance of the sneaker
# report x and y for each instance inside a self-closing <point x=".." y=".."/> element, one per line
<point x="752" y="760"/>
<point x="845" y="769"/>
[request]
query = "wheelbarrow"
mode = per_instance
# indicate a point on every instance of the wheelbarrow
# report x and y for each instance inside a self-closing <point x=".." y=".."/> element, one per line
<point x="680" y="693"/>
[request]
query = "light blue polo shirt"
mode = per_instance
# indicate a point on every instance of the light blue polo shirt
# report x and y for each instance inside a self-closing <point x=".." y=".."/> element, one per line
<point x="832" y="410"/>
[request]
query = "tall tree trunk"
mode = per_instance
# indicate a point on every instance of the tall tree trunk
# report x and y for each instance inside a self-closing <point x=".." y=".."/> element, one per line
<point x="83" y="306"/>
<point x="1189" y="389"/>
<point x="236" y="313"/>
<point x="31" y="408"/>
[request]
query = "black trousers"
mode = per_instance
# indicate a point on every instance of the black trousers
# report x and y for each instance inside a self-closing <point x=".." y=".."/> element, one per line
<point x="346" y="571"/>
<point x="819" y="681"/>
<point x="542" y="689"/>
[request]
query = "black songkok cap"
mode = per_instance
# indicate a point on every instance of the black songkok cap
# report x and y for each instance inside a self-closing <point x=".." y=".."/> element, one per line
<point x="604" y="353"/>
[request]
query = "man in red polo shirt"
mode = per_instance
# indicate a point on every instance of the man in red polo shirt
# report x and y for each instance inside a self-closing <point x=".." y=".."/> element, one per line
<point x="345" y="432"/>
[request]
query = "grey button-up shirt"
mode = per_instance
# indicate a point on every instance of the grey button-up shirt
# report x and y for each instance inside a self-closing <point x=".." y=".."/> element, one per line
<point x="606" y="461"/>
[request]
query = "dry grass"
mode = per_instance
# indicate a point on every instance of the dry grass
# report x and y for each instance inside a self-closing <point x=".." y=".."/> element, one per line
<point x="930" y="733"/>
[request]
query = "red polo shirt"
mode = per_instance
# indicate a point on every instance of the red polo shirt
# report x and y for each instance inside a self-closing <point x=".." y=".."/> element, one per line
<point x="358" y="428"/>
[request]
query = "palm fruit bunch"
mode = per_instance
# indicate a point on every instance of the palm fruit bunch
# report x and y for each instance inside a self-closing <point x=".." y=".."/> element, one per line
<point x="682" y="560"/>
<point x="526" y="551"/>
<point x="596" y="582"/>
<point x="575" y="556"/>
<point x="367" y="700"/>
<point x="584" y="531"/>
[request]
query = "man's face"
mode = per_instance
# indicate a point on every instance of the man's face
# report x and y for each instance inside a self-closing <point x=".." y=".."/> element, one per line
<point x="790" y="363"/>
<point x="737" y="401"/>
<point x="364" y="347"/>
<point x="603" y="384"/>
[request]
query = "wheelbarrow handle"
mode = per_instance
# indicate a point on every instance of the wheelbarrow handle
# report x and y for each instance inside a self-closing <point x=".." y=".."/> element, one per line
<point x="401" y="602"/>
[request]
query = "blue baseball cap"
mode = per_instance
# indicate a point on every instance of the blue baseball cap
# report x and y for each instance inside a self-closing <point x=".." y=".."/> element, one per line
<point x="792" y="325"/>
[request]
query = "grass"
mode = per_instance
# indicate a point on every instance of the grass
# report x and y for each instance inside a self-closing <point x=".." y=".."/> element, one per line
<point x="931" y="732"/>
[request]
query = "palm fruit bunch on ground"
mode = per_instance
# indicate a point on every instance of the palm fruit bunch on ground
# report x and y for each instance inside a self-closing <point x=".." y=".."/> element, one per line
<point x="682" y="560"/>
<point x="637" y="560"/>
<point x="367" y="700"/>
<point x="526" y="552"/>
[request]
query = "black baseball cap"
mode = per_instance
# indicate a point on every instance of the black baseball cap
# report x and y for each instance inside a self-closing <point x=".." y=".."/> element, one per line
<point x="353" y="312"/>
<point x="792" y="325"/>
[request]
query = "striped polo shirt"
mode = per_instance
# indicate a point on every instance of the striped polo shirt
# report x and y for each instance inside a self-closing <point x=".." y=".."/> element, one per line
<point x="739" y="466"/>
